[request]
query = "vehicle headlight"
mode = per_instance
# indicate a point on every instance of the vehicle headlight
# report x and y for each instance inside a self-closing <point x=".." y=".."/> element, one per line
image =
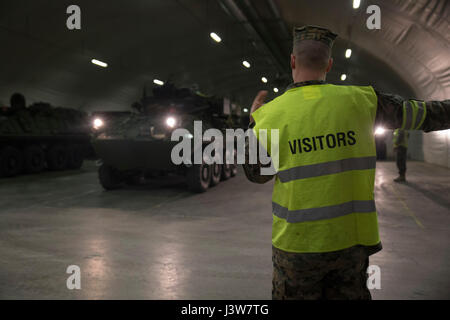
<point x="379" y="131"/>
<point x="97" y="123"/>
<point x="171" y="122"/>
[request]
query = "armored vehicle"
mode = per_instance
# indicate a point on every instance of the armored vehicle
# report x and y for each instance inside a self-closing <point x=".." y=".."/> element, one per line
<point x="41" y="137"/>
<point x="139" y="146"/>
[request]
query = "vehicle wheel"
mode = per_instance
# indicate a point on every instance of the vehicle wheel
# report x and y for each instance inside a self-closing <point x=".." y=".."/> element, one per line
<point x="216" y="172"/>
<point x="109" y="177"/>
<point x="233" y="169"/>
<point x="135" y="180"/>
<point x="199" y="177"/>
<point x="75" y="157"/>
<point x="11" y="162"/>
<point x="34" y="159"/>
<point x="57" y="157"/>
<point x="226" y="171"/>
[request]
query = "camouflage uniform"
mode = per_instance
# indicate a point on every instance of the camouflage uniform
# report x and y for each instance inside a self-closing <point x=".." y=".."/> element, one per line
<point x="314" y="33"/>
<point x="312" y="276"/>
<point x="401" y="150"/>
<point x="340" y="274"/>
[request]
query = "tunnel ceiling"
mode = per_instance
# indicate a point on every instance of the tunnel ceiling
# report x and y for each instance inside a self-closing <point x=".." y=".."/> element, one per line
<point x="169" y="40"/>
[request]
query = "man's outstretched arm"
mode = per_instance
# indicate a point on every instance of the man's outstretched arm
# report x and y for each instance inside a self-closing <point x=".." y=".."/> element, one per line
<point x="411" y="114"/>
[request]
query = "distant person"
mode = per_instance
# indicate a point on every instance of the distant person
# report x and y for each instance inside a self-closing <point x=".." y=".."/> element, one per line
<point x="400" y="148"/>
<point x="325" y="224"/>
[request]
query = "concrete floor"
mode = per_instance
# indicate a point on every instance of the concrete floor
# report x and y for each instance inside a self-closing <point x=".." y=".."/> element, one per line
<point x="162" y="242"/>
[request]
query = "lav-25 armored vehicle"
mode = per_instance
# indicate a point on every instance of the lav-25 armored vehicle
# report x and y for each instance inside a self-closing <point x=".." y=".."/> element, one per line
<point x="41" y="137"/>
<point x="139" y="146"/>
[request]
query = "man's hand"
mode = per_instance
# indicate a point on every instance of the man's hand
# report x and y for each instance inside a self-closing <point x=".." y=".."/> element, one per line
<point x="258" y="102"/>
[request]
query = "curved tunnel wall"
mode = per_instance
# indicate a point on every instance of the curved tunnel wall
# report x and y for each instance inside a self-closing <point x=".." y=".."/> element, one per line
<point x="417" y="46"/>
<point x="414" y="41"/>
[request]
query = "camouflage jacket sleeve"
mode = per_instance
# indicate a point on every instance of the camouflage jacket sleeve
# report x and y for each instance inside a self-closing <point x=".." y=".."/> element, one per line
<point x="253" y="171"/>
<point x="390" y="112"/>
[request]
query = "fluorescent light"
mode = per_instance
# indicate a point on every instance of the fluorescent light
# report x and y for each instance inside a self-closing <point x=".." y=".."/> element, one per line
<point x="264" y="79"/>
<point x="356" y="4"/>
<point x="275" y="89"/>
<point x="245" y="110"/>
<point x="348" y="53"/>
<point x="215" y="37"/>
<point x="158" y="82"/>
<point x="246" y="63"/>
<point x="343" y="77"/>
<point x="99" y="63"/>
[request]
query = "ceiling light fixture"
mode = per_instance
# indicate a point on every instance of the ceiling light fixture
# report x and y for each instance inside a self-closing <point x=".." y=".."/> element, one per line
<point x="275" y="89"/>
<point x="264" y="79"/>
<point x="246" y="64"/>
<point x="348" y="53"/>
<point x="356" y="4"/>
<point x="158" y="82"/>
<point x="343" y="77"/>
<point x="215" y="37"/>
<point x="99" y="63"/>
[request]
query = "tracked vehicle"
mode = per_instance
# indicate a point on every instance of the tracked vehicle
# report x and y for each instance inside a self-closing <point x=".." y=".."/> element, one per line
<point x="40" y="137"/>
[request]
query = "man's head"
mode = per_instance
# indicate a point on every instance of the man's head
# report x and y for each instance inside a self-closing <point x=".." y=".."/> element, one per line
<point x="17" y="101"/>
<point x="311" y="53"/>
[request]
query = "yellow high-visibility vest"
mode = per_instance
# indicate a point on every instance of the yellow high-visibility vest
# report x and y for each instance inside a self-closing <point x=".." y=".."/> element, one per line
<point x="400" y="138"/>
<point x="323" y="196"/>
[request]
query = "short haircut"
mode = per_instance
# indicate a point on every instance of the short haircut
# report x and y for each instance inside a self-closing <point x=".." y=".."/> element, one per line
<point x="312" y="54"/>
<point x="17" y="101"/>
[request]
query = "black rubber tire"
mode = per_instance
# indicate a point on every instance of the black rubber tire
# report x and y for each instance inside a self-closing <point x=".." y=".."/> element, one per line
<point x="233" y="170"/>
<point x="75" y="156"/>
<point x="216" y="173"/>
<point x="135" y="180"/>
<point x="226" y="171"/>
<point x="57" y="157"/>
<point x="11" y="162"/>
<point x="198" y="177"/>
<point x="34" y="159"/>
<point x="233" y="167"/>
<point x="109" y="177"/>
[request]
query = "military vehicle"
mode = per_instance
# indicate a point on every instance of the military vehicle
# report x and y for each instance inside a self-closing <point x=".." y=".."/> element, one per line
<point x="41" y="137"/>
<point x="137" y="147"/>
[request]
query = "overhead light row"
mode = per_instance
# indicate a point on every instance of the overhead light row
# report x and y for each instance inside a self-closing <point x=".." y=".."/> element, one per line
<point x="215" y="37"/>
<point x="245" y="63"/>
<point x="99" y="63"/>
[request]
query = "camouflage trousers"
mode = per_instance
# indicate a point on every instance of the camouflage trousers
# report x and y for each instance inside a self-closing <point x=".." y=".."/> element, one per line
<point x="339" y="275"/>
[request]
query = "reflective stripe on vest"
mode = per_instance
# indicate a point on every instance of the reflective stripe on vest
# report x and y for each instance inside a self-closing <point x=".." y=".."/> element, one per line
<point x="400" y="138"/>
<point x="323" y="194"/>
<point x="322" y="213"/>
<point x="321" y="169"/>
<point x="414" y="114"/>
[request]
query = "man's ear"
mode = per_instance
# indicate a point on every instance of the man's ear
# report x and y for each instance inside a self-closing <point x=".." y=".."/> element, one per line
<point x="330" y="64"/>
<point x="292" y="61"/>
